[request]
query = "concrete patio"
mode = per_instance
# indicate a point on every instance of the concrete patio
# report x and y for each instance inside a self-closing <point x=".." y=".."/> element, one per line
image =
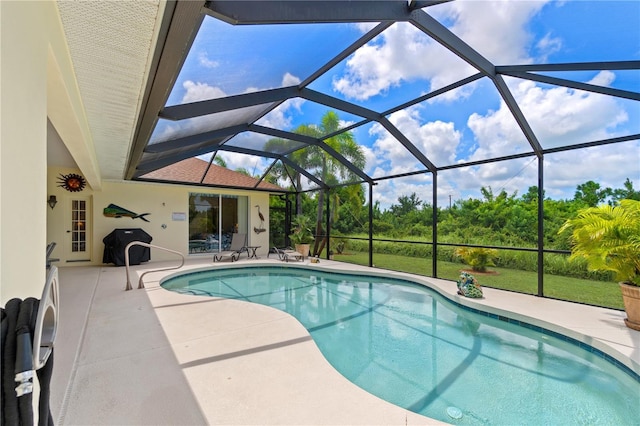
<point x="156" y="357"/>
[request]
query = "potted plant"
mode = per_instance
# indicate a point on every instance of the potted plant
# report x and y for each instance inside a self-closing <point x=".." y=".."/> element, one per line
<point x="301" y="237"/>
<point x="608" y="238"/>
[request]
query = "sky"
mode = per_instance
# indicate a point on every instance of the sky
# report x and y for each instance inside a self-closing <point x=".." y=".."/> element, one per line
<point x="467" y="124"/>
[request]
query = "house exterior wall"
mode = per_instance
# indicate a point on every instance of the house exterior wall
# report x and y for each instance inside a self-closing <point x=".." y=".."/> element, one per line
<point x="23" y="137"/>
<point x="159" y="200"/>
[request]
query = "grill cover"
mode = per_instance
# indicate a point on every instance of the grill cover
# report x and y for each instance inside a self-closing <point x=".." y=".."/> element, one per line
<point x="117" y="240"/>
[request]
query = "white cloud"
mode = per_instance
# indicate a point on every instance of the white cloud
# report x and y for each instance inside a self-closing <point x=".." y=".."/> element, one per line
<point x="437" y="140"/>
<point x="510" y="176"/>
<point x="290" y="80"/>
<point x="498" y="30"/>
<point x="370" y="159"/>
<point x="547" y="46"/>
<point x="387" y="192"/>
<point x="204" y="61"/>
<point x="365" y="26"/>
<point x="496" y="134"/>
<point x="603" y="78"/>
<point x="558" y="116"/>
<point x="280" y="117"/>
<point x="254" y="165"/>
<point x="391" y="157"/>
<point x="196" y="91"/>
<point x="609" y="165"/>
<point x="403" y="53"/>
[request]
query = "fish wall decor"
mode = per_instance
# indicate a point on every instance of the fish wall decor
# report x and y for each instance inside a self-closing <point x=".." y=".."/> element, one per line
<point x="116" y="211"/>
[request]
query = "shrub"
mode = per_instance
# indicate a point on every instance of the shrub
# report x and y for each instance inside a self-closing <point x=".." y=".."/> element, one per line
<point x="608" y="238"/>
<point x="477" y="257"/>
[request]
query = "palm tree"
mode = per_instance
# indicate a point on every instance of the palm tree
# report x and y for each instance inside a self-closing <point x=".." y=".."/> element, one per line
<point x="282" y="171"/>
<point x="320" y="162"/>
<point x="331" y="170"/>
<point x="219" y="160"/>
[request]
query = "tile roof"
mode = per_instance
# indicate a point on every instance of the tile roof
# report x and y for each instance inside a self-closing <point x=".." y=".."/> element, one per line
<point x="192" y="169"/>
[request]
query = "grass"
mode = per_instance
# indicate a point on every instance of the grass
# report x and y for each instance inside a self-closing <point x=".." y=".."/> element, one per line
<point x="591" y="292"/>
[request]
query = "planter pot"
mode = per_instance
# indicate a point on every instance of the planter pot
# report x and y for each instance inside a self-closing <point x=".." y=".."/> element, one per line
<point x="303" y="249"/>
<point x="631" y="298"/>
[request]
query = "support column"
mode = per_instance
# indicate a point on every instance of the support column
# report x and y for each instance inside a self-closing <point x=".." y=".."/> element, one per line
<point x="540" y="226"/>
<point x="23" y="153"/>
<point x="434" y="246"/>
<point x="328" y="223"/>
<point x="370" y="225"/>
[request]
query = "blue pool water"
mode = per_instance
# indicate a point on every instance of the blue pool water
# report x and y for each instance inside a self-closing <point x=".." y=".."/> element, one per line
<point x="408" y="345"/>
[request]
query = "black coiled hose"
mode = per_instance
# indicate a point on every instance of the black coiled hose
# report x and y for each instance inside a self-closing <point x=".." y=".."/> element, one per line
<point x="18" y="325"/>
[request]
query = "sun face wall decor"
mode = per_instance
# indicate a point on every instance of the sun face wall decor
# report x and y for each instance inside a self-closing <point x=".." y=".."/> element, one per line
<point x="72" y="182"/>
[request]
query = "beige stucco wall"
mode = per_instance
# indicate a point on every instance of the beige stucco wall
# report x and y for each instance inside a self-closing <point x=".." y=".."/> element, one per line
<point x="23" y="162"/>
<point x="160" y="200"/>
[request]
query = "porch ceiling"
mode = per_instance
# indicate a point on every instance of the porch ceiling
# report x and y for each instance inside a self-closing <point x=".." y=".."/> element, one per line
<point x="111" y="45"/>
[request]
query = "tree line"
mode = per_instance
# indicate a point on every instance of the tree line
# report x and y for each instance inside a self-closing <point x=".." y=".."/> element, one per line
<point x="495" y="219"/>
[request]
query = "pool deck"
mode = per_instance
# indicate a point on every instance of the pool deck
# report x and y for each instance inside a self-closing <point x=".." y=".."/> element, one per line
<point x="151" y="356"/>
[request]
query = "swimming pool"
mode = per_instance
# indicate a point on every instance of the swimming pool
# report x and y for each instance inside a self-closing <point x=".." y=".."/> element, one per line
<point x="412" y="347"/>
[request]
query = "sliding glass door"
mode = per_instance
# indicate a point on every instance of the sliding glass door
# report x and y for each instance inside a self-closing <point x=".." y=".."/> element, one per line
<point x="213" y="218"/>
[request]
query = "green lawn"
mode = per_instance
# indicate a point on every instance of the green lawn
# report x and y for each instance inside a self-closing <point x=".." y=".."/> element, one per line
<point x="573" y="289"/>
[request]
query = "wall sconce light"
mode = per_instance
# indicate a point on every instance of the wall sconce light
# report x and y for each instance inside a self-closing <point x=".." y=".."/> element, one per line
<point x="52" y="201"/>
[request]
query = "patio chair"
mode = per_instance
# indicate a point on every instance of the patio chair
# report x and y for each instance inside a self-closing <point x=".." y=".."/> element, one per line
<point x="238" y="245"/>
<point x="286" y="254"/>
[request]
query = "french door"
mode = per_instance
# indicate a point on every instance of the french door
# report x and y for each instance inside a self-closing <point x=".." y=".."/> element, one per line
<point x="78" y="235"/>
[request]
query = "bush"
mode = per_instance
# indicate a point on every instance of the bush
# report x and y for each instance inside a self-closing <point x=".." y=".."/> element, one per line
<point x="380" y="227"/>
<point x="419" y="230"/>
<point x="341" y="246"/>
<point x="477" y="257"/>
